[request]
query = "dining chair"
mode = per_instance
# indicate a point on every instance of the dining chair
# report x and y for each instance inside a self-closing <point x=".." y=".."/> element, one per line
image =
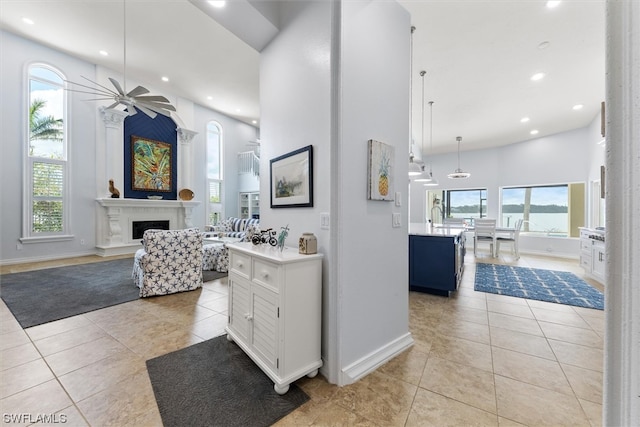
<point x="459" y="222"/>
<point x="513" y="238"/>
<point x="484" y="231"/>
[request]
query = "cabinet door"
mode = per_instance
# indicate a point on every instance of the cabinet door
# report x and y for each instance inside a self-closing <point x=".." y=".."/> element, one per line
<point x="240" y="307"/>
<point x="265" y="325"/>
<point x="598" y="260"/>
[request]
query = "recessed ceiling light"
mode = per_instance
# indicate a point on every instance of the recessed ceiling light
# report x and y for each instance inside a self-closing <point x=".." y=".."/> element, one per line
<point x="537" y="76"/>
<point x="524" y="120"/>
<point x="28" y="21"/>
<point x="209" y="97"/>
<point x="553" y="3"/>
<point x="104" y="53"/>
<point x="534" y="132"/>
<point x="578" y="107"/>
<point x="544" y="45"/>
<point x="165" y="78"/>
<point x="217" y="3"/>
<point x="238" y="110"/>
<point x="254" y="122"/>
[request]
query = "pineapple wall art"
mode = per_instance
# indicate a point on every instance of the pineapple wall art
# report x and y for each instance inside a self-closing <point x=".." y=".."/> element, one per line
<point x="381" y="161"/>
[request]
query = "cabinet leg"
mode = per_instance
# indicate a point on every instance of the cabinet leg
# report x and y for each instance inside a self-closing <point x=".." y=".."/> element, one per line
<point x="281" y="390"/>
<point x="312" y="374"/>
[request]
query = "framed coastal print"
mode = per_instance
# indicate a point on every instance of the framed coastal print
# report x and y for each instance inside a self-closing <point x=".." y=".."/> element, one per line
<point x="291" y="178"/>
<point x="380" y="170"/>
<point x="150" y="165"/>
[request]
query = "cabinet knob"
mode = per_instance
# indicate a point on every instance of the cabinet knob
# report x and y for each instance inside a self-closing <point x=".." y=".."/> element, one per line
<point x="248" y="316"/>
<point x="265" y="275"/>
<point x="239" y="264"/>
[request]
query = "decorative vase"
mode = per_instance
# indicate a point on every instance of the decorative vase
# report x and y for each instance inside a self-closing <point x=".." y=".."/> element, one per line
<point x="308" y="244"/>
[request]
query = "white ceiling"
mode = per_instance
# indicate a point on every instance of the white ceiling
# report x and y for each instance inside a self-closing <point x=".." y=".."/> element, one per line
<point x="478" y="55"/>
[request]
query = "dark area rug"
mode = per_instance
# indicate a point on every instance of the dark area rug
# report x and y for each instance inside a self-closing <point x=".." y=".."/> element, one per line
<point x="42" y="296"/>
<point x="559" y="287"/>
<point x="209" y="275"/>
<point x="214" y="383"/>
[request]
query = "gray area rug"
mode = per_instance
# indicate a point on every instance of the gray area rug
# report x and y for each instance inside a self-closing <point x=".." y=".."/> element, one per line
<point x="42" y="296"/>
<point x="209" y="275"/>
<point x="214" y="383"/>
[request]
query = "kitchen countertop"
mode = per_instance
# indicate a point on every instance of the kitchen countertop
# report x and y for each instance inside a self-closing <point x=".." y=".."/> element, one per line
<point x="438" y="230"/>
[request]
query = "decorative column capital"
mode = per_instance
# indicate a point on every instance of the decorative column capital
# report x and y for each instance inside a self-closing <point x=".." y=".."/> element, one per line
<point x="112" y="118"/>
<point x="185" y="135"/>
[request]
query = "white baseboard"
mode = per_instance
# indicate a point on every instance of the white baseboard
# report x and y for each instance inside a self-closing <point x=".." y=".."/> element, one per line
<point x="375" y="359"/>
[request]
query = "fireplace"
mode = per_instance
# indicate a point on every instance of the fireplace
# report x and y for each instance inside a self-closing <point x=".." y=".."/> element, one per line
<point x="122" y="222"/>
<point x="139" y="227"/>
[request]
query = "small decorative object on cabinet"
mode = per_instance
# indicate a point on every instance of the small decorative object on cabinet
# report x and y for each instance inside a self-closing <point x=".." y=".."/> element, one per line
<point x="282" y="237"/>
<point x="275" y="303"/>
<point x="308" y="244"/>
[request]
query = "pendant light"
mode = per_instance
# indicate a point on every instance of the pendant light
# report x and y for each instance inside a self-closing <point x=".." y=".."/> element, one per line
<point x="423" y="177"/>
<point x="458" y="173"/>
<point x="432" y="181"/>
<point x="414" y="168"/>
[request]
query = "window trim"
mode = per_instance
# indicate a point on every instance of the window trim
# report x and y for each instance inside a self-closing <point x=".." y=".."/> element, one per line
<point x="208" y="181"/>
<point x="28" y="235"/>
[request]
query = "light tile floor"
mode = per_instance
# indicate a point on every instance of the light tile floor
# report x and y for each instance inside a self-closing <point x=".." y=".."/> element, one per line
<point x="478" y="359"/>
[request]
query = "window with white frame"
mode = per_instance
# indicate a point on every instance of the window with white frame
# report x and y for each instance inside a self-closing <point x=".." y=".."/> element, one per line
<point x="46" y="203"/>
<point x="215" y="206"/>
<point x="549" y="210"/>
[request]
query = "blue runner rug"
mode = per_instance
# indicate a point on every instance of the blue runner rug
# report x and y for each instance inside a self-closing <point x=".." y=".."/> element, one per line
<point x="534" y="283"/>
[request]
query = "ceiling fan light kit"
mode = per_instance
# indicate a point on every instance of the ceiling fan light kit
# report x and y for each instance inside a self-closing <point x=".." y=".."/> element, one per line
<point x="459" y="173"/>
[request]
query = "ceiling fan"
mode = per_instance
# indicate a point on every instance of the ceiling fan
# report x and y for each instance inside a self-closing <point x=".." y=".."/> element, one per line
<point x="132" y="100"/>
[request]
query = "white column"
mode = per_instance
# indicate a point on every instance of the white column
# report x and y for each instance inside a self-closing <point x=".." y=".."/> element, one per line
<point x="185" y="174"/>
<point x="113" y="150"/>
<point x="621" y="390"/>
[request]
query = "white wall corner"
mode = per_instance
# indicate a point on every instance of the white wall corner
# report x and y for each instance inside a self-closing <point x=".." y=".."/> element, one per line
<point x="374" y="360"/>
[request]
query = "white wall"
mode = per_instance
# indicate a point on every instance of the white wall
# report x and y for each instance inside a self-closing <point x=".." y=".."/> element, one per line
<point x="320" y="89"/>
<point x="86" y="131"/>
<point x="573" y="156"/>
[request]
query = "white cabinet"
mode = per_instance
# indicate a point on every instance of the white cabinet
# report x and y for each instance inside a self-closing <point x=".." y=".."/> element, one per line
<point x="275" y="310"/>
<point x="249" y="205"/>
<point x="592" y="253"/>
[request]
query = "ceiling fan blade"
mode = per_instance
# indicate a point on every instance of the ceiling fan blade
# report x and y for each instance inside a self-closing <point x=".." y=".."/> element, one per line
<point x="109" y="90"/>
<point x="138" y="90"/>
<point x="115" y="104"/>
<point x="115" y="83"/>
<point x="95" y="91"/>
<point x="158" y="108"/>
<point x="158" y="98"/>
<point x="145" y="110"/>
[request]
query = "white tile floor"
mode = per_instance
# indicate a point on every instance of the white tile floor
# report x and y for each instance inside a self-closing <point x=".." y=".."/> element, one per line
<point x="478" y="359"/>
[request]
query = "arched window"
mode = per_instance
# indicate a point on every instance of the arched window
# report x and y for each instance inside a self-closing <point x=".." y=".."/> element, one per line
<point x="46" y="197"/>
<point x="215" y="205"/>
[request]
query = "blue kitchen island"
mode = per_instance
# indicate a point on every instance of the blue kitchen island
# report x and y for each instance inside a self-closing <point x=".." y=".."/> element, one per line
<point x="436" y="258"/>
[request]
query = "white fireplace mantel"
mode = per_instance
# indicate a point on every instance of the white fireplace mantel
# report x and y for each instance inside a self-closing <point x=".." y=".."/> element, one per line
<point x="116" y="218"/>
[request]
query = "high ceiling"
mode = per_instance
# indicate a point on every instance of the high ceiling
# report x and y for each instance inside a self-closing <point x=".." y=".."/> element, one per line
<point x="479" y="57"/>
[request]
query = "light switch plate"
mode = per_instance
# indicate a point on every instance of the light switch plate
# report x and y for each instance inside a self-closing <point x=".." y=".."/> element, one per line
<point x="324" y="221"/>
<point x="398" y="199"/>
<point x="395" y="220"/>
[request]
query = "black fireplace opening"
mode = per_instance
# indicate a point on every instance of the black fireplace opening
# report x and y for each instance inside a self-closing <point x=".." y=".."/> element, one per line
<point x="139" y="227"/>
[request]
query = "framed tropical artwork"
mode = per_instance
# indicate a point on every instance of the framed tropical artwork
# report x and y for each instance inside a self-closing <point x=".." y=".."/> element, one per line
<point x="150" y="165"/>
<point x="292" y="179"/>
<point x="380" y="170"/>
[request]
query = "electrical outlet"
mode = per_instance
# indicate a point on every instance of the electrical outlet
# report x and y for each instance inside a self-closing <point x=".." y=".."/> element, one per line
<point x="82" y="241"/>
<point x="19" y="246"/>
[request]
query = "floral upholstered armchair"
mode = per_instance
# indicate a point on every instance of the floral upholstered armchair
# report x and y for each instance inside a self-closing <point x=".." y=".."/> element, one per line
<point x="169" y="262"/>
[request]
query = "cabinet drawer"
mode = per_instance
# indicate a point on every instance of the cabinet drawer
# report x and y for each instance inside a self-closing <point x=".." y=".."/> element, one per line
<point x="585" y="262"/>
<point x="240" y="264"/>
<point x="265" y="274"/>
<point x="585" y="246"/>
